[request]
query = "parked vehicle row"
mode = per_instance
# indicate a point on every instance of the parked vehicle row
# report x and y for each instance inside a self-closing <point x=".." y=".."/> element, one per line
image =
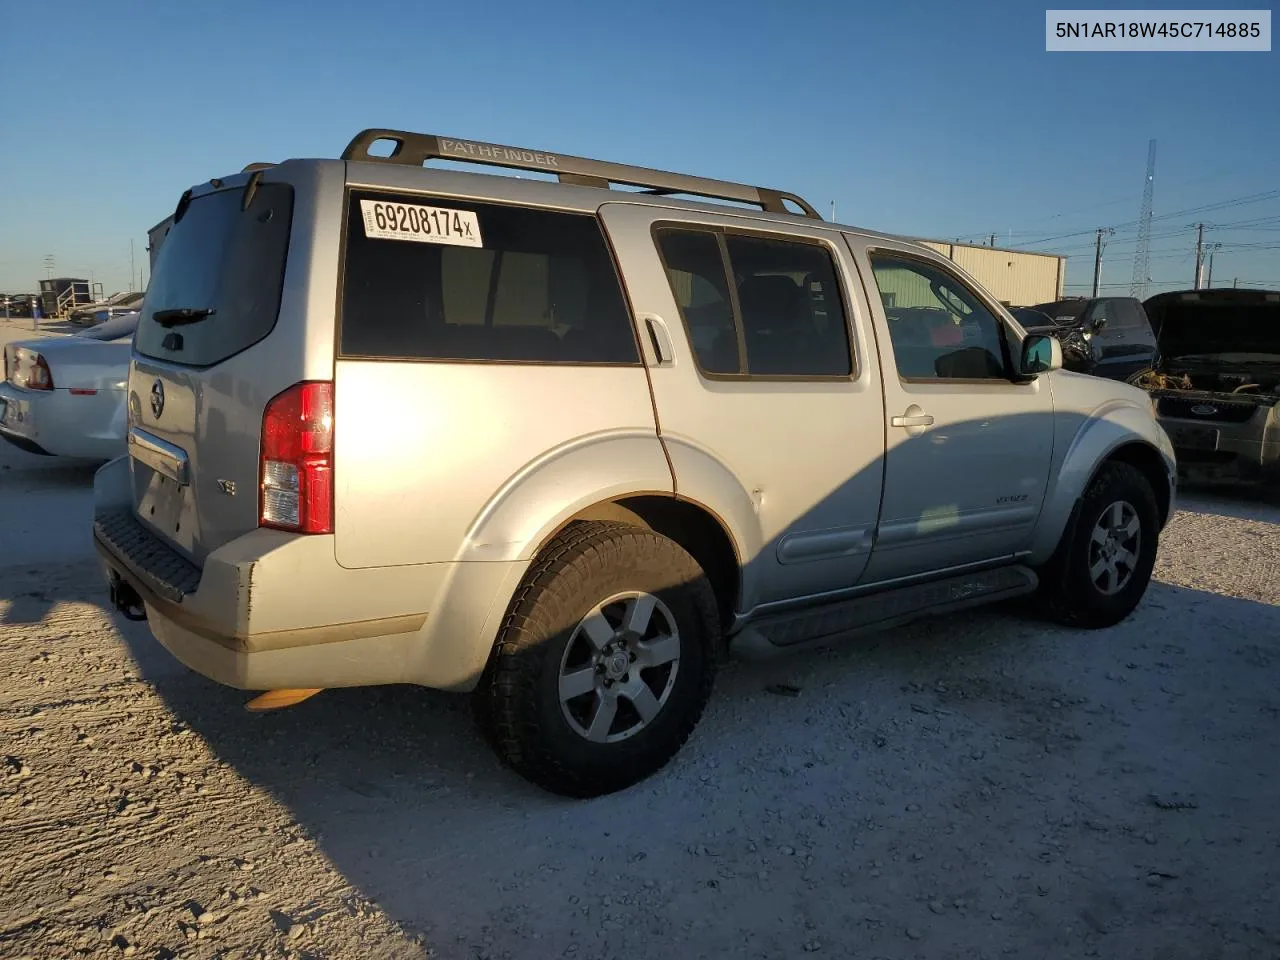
<point x="1209" y="358"/>
<point x="114" y="306"/>
<point x="563" y="447"/>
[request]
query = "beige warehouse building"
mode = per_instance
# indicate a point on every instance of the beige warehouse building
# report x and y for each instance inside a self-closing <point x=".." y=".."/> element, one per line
<point x="1017" y="278"/>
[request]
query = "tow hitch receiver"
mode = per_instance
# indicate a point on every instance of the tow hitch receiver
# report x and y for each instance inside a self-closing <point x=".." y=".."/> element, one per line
<point x="275" y="699"/>
<point x="125" y="599"/>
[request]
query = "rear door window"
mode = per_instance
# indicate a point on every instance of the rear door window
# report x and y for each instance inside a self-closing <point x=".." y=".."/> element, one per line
<point x="460" y="280"/>
<point x="227" y="261"/>
<point x="783" y="316"/>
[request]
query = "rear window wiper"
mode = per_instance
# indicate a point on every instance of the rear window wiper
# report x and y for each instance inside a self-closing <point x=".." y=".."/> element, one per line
<point x="181" y="316"/>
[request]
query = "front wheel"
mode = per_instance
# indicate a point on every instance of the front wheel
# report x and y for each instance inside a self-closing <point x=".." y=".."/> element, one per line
<point x="604" y="663"/>
<point x="1103" y="565"/>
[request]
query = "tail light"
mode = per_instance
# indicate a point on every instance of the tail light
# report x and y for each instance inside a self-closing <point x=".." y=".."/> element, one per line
<point x="27" y="369"/>
<point x="296" y="467"/>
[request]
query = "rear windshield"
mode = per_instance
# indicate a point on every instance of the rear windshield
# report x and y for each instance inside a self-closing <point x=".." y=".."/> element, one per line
<point x="218" y="257"/>
<point x="446" y="279"/>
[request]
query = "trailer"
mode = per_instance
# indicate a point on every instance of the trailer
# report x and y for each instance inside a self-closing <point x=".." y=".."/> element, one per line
<point x="60" y="295"/>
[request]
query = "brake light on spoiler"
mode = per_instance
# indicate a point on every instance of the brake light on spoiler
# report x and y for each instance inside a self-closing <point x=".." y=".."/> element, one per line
<point x="295" y="470"/>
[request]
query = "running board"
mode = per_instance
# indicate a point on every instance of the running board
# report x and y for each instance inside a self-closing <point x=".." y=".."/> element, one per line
<point x="784" y="633"/>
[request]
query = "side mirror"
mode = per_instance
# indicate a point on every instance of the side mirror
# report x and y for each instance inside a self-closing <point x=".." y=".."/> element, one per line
<point x="1098" y="324"/>
<point x="1040" y="354"/>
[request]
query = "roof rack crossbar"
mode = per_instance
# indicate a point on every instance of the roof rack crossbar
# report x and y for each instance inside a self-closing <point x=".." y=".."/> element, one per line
<point x="415" y="149"/>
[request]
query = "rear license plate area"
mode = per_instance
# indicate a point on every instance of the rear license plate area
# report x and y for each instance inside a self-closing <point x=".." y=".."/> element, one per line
<point x="162" y="504"/>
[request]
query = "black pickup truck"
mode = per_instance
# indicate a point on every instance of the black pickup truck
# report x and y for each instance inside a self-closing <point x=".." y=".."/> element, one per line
<point x="1103" y="336"/>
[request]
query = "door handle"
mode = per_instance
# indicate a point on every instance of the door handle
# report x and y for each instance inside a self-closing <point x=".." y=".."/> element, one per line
<point x="913" y="420"/>
<point x="659" y="339"/>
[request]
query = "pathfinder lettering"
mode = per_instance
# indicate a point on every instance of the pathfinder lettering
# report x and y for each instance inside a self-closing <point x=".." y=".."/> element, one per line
<point x="490" y="151"/>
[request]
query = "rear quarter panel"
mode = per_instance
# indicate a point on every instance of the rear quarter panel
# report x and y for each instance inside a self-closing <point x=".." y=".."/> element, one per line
<point x="477" y="461"/>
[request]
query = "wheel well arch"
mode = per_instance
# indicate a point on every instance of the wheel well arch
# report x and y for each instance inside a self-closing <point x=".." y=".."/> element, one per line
<point x="1147" y="460"/>
<point x="692" y="525"/>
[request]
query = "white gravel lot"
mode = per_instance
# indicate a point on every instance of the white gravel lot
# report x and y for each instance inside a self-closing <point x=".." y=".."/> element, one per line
<point x="981" y="786"/>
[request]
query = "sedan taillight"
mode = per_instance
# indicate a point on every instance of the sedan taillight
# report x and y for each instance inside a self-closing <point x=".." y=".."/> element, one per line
<point x="28" y="369"/>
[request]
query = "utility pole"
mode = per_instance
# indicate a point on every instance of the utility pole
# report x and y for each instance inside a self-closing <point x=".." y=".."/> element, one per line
<point x="1199" y="254"/>
<point x="833" y="211"/>
<point x="132" y="273"/>
<point x="993" y="241"/>
<point x="1212" y="248"/>
<point x="1097" y="256"/>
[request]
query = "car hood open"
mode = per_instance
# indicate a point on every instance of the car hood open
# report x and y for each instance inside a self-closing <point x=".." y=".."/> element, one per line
<point x="1234" y="324"/>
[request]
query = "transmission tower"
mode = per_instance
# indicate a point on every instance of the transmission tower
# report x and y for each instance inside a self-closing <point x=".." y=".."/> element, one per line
<point x="1142" y="256"/>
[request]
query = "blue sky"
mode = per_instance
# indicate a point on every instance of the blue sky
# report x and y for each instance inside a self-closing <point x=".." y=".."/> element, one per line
<point x="940" y="120"/>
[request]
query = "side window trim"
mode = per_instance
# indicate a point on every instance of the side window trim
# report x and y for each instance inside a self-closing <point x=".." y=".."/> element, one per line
<point x="735" y="305"/>
<point x="721" y="232"/>
<point x="1002" y="328"/>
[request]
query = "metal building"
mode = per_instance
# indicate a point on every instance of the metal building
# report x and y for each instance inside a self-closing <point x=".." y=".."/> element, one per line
<point x="1017" y="278"/>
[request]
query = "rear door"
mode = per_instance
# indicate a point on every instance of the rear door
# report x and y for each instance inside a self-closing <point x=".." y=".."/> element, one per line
<point x="218" y="337"/>
<point x="486" y="356"/>
<point x="763" y="370"/>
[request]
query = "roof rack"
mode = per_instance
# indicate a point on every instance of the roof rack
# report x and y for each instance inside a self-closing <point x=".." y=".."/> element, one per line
<point x="414" y="149"/>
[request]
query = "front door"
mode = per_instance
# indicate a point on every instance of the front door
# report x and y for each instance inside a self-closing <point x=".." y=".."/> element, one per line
<point x="968" y="450"/>
<point x="767" y="395"/>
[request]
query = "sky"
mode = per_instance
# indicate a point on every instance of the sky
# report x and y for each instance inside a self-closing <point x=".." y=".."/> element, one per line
<point x="940" y="120"/>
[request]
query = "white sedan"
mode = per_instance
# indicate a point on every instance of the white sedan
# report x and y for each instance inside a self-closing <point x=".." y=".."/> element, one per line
<point x="65" y="396"/>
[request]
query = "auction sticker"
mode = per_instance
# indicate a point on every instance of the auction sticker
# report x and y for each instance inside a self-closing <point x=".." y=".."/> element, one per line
<point x="411" y="221"/>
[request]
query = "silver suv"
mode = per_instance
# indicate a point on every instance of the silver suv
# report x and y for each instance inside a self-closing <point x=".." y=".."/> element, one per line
<point x="564" y="445"/>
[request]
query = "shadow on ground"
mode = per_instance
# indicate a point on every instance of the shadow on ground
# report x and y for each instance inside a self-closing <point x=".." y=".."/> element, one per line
<point x="963" y="787"/>
<point x="1028" y="754"/>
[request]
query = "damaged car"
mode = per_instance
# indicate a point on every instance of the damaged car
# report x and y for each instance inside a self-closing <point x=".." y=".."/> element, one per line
<point x="1215" y="382"/>
<point x="1102" y="336"/>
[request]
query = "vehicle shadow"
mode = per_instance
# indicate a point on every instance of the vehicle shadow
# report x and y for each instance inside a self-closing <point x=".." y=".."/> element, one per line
<point x="404" y="798"/>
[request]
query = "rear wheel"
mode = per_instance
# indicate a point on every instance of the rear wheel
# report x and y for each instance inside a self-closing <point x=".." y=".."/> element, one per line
<point x="604" y="663"/>
<point x="1101" y="569"/>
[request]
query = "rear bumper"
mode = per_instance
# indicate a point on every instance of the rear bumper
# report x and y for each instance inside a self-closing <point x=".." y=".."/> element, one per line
<point x="272" y="610"/>
<point x="60" y="423"/>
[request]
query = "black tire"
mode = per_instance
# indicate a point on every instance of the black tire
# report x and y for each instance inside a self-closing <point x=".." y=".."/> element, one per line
<point x="518" y="703"/>
<point x="1073" y="595"/>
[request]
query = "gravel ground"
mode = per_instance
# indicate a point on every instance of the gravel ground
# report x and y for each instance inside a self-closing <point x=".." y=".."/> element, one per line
<point x="981" y="786"/>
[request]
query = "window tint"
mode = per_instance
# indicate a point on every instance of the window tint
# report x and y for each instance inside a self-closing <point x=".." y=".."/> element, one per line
<point x="1124" y="314"/>
<point x="791" y="319"/>
<point x="939" y="328"/>
<point x="540" y="288"/>
<point x="698" y="280"/>
<point x="1103" y="309"/>
<point x="222" y="259"/>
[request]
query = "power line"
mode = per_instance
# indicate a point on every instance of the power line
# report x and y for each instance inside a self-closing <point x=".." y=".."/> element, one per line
<point x="1203" y="208"/>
